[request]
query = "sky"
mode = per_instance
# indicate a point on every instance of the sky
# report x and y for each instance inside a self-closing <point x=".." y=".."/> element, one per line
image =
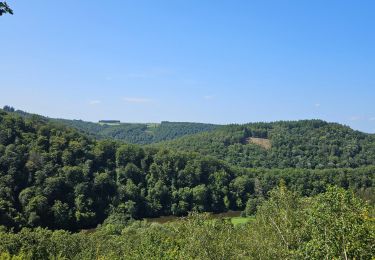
<point x="208" y="61"/>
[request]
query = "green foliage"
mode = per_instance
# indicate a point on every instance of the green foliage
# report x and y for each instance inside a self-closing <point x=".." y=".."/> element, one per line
<point x="338" y="226"/>
<point x="142" y="133"/>
<point x="53" y="177"/>
<point x="278" y="224"/>
<point x="4" y="8"/>
<point x="241" y="220"/>
<point x="332" y="225"/>
<point x="310" y="144"/>
<point x="134" y="133"/>
<point x="129" y="154"/>
<point x="252" y="205"/>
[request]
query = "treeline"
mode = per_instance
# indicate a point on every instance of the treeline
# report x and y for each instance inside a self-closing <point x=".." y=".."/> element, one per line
<point x="331" y="225"/>
<point x="134" y="133"/>
<point x="53" y="176"/>
<point x="152" y="133"/>
<point x="311" y="144"/>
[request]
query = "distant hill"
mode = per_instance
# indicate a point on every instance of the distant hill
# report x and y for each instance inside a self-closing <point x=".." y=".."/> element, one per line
<point x="138" y="133"/>
<point x="308" y="144"/>
<point x="285" y="144"/>
<point x="135" y="133"/>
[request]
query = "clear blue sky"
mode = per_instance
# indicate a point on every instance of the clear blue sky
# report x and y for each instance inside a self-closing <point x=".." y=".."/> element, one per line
<point x="203" y="61"/>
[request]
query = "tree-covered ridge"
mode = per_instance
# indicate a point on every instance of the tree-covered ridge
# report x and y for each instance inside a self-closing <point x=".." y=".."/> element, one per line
<point x="56" y="177"/>
<point x="296" y="144"/>
<point x="135" y="133"/>
<point x="140" y="133"/>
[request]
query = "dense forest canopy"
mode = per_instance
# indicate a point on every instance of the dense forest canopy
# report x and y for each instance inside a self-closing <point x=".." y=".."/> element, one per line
<point x="135" y="133"/>
<point x="53" y="176"/>
<point x="311" y="144"/>
<point x="140" y="133"/>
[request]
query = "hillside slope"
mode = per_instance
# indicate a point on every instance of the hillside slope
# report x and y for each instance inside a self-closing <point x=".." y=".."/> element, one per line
<point x="284" y="144"/>
<point x="53" y="176"/>
<point x="134" y="133"/>
<point x="139" y="133"/>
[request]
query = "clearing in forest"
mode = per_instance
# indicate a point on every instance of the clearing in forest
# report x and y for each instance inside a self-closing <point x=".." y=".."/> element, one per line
<point x="263" y="142"/>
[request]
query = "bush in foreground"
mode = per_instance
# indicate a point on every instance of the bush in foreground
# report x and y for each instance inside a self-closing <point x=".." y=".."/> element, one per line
<point x="333" y="225"/>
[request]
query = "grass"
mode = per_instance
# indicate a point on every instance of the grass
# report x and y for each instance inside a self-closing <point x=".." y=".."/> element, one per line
<point x="232" y="215"/>
<point x="241" y="220"/>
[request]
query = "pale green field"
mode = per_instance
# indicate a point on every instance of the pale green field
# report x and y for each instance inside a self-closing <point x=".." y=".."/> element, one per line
<point x="241" y="220"/>
<point x="235" y="220"/>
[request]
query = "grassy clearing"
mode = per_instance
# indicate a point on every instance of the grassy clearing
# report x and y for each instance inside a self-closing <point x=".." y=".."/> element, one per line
<point x="241" y="220"/>
<point x="233" y="216"/>
<point x="262" y="142"/>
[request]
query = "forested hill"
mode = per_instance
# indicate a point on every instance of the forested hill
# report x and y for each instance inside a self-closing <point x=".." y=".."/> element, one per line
<point x="310" y="144"/>
<point x="56" y="177"/>
<point x="285" y="144"/>
<point x="140" y="133"/>
<point x="135" y="133"/>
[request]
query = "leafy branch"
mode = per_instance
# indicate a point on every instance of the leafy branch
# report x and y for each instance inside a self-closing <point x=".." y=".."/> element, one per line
<point x="4" y="8"/>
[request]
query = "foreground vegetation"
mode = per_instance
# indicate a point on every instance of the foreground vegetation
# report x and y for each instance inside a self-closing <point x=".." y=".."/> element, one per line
<point x="332" y="225"/>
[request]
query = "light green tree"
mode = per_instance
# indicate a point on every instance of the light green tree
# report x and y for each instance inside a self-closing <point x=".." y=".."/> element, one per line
<point x="339" y="227"/>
